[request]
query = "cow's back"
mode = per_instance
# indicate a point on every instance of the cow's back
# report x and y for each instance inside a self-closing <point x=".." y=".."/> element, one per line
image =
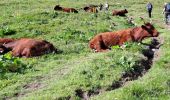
<point x="114" y="12"/>
<point x="119" y="12"/>
<point x="110" y="38"/>
<point x="36" y="47"/>
<point x="70" y="10"/>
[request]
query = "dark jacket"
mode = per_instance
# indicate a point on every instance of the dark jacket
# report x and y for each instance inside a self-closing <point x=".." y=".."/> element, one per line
<point x="149" y="6"/>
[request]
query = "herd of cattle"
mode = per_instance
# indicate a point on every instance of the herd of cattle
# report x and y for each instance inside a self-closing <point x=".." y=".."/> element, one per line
<point x="91" y="8"/>
<point x="27" y="47"/>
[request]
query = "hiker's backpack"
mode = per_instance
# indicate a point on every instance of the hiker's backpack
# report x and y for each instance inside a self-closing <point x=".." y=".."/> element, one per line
<point x="149" y="6"/>
<point x="168" y="7"/>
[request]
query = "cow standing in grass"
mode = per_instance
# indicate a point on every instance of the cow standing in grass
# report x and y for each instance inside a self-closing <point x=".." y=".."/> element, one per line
<point x="103" y="41"/>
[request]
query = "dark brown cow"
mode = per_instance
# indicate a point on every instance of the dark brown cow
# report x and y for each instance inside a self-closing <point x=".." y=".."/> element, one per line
<point x="119" y="12"/>
<point x="103" y="41"/>
<point x="26" y="47"/>
<point x="68" y="10"/>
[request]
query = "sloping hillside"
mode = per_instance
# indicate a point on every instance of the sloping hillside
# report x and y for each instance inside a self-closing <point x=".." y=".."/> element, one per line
<point x="77" y="72"/>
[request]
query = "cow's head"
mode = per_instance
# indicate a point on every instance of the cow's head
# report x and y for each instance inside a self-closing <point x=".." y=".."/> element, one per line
<point x="152" y="32"/>
<point x="50" y="47"/>
<point x="3" y="49"/>
<point x="125" y="11"/>
<point x="57" y="7"/>
<point x="86" y="8"/>
<point x="91" y="45"/>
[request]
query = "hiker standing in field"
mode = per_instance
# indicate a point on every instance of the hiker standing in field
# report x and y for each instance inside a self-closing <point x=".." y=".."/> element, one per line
<point x="149" y="9"/>
<point x="166" y="11"/>
<point x="100" y="6"/>
<point x="106" y="6"/>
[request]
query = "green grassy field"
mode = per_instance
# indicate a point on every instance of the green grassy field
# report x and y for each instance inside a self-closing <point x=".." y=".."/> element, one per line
<point x="77" y="72"/>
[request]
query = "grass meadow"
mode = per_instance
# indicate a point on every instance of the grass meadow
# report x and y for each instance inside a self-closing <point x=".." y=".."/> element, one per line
<point x="75" y="70"/>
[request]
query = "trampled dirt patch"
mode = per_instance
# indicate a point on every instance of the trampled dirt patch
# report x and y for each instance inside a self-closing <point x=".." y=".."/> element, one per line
<point x="30" y="87"/>
<point x="40" y="80"/>
<point x="33" y="86"/>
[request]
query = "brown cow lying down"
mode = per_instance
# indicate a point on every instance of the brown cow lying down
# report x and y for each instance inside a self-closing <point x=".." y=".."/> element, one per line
<point x="68" y="10"/>
<point x="103" y="41"/>
<point x="119" y="12"/>
<point x="91" y="9"/>
<point x="26" y="47"/>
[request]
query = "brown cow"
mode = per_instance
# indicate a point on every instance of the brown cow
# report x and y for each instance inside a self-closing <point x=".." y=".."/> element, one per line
<point x="119" y="12"/>
<point x="91" y="9"/>
<point x="103" y="41"/>
<point x="68" y="10"/>
<point x="26" y="47"/>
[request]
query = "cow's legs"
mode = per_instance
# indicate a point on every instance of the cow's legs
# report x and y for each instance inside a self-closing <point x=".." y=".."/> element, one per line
<point x="16" y="52"/>
<point x="26" y="52"/>
<point x="121" y="42"/>
<point x="10" y="45"/>
<point x="100" y="46"/>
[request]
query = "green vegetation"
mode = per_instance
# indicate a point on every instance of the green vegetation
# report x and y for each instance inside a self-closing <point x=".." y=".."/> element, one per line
<point x="6" y="31"/>
<point x="10" y="64"/>
<point x="58" y="76"/>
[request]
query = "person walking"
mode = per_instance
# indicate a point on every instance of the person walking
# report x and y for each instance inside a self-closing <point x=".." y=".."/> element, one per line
<point x="166" y="11"/>
<point x="149" y="9"/>
<point x="106" y="6"/>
